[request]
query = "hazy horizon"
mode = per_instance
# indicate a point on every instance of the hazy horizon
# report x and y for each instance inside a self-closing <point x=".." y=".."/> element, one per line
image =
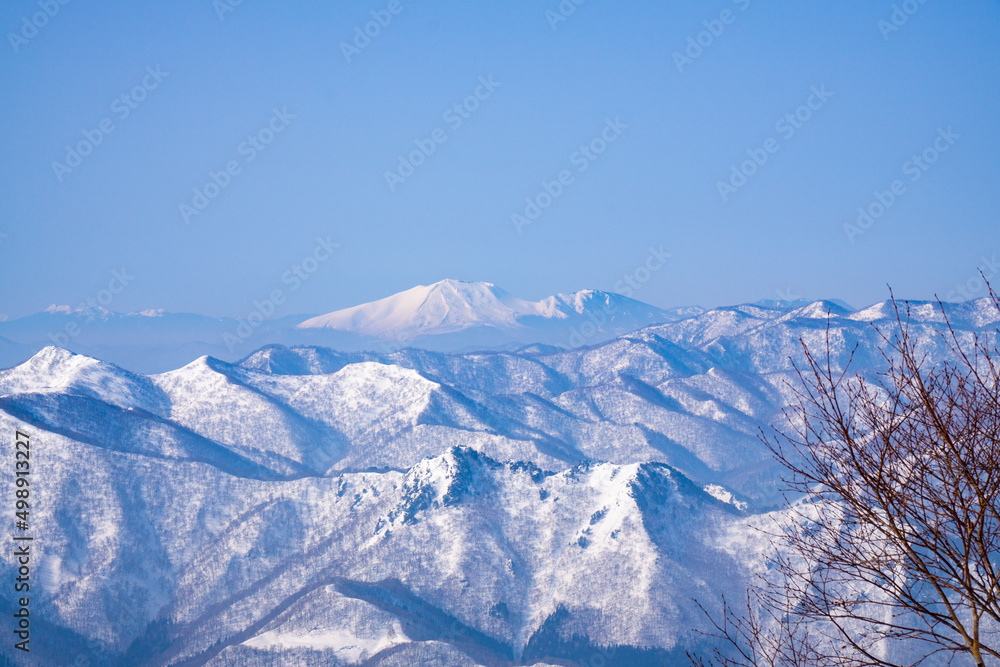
<point x="206" y="149"/>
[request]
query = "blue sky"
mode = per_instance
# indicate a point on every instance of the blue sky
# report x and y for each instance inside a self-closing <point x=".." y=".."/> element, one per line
<point x="682" y="124"/>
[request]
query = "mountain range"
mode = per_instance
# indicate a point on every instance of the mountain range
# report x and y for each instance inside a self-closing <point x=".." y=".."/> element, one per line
<point x="308" y="505"/>
<point x="449" y="315"/>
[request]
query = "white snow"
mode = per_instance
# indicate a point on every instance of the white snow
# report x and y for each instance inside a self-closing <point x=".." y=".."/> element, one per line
<point x="345" y="644"/>
<point x="450" y="306"/>
<point x="726" y="496"/>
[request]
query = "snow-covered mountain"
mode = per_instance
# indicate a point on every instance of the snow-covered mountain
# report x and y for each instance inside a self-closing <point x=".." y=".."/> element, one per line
<point x="447" y="316"/>
<point x="320" y="507"/>
<point x="452" y="307"/>
<point x="444" y="307"/>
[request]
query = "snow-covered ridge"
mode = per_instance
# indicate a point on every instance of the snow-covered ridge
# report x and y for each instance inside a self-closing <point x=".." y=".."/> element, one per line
<point x="313" y="506"/>
<point x="447" y="316"/>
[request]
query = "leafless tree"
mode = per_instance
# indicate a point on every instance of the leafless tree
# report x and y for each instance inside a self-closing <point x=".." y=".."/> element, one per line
<point x="892" y="547"/>
<point x="761" y="634"/>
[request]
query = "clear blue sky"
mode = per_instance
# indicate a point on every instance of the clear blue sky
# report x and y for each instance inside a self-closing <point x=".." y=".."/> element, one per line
<point x="656" y="184"/>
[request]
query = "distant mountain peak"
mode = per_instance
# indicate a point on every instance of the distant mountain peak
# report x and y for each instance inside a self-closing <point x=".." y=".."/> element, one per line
<point x="819" y="310"/>
<point x="451" y="306"/>
<point x="445" y="306"/>
<point x="794" y="304"/>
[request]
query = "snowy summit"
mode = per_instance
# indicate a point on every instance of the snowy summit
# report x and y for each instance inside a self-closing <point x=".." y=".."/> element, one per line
<point x="450" y="306"/>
